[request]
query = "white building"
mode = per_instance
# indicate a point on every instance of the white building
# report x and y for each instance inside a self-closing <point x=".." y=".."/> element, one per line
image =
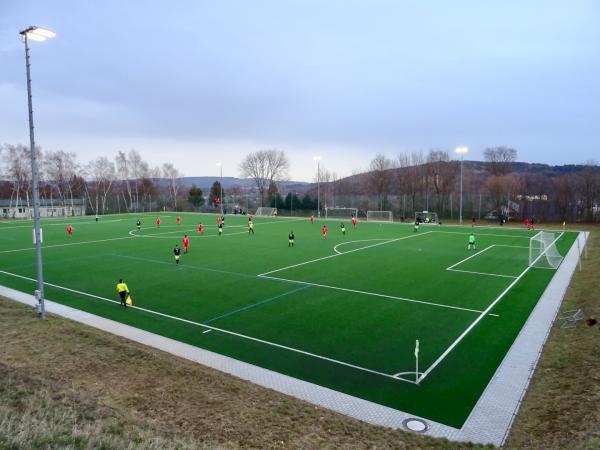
<point x="10" y="209"/>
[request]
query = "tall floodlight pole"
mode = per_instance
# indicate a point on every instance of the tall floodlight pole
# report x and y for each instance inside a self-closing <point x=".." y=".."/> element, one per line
<point x="318" y="160"/>
<point x="220" y="165"/>
<point x="35" y="34"/>
<point x="461" y="151"/>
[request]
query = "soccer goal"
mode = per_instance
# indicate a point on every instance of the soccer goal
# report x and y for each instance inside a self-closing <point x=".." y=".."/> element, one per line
<point x="426" y="217"/>
<point x="380" y="216"/>
<point x="265" y="211"/>
<point x="340" y="213"/>
<point x="543" y="252"/>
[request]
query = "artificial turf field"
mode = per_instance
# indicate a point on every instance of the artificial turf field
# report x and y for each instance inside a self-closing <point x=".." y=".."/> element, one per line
<point x="343" y="313"/>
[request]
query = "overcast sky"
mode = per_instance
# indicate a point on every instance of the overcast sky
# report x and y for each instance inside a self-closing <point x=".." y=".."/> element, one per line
<point x="196" y="82"/>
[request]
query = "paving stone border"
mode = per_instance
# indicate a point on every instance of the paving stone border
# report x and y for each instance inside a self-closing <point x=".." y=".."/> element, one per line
<point x="488" y="423"/>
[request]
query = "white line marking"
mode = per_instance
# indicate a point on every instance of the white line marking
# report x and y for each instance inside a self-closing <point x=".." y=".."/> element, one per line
<point x="209" y="327"/>
<point x="482" y="273"/>
<point x="469" y="257"/>
<point x="512" y="246"/>
<point x="207" y="331"/>
<point x="74" y="223"/>
<point x="398" y="375"/>
<point x="66" y="245"/>
<point x="192" y="231"/>
<point x="373" y="294"/>
<point x="335" y="248"/>
<point x="345" y="253"/>
<point x="478" y="319"/>
<point x="483" y="234"/>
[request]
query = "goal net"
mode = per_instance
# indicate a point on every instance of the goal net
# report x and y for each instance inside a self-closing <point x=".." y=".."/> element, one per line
<point x="340" y="213"/>
<point x="380" y="216"/>
<point x="426" y="217"/>
<point x="543" y="252"/>
<point x="265" y="211"/>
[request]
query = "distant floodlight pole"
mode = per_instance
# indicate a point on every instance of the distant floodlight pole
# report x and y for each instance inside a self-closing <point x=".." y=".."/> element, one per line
<point x="461" y="151"/>
<point x="36" y="34"/>
<point x="318" y="160"/>
<point x="219" y="164"/>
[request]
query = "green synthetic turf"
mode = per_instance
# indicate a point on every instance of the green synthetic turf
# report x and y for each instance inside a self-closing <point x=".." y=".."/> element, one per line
<point x="346" y="321"/>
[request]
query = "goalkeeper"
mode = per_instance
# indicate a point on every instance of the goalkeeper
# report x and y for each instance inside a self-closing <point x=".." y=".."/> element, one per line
<point x="471" y="244"/>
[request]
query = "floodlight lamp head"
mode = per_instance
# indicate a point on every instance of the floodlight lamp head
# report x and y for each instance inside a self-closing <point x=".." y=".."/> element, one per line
<point x="462" y="150"/>
<point x="316" y="158"/>
<point x="39" y="34"/>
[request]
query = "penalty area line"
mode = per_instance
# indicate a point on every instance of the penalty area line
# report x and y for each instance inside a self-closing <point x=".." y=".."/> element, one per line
<point x="344" y="253"/>
<point x="376" y="294"/>
<point x="212" y="328"/>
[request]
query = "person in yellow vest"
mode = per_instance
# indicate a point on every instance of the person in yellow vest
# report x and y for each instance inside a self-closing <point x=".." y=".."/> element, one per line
<point x="123" y="291"/>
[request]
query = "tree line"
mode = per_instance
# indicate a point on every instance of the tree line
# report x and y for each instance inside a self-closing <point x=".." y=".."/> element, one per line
<point x="125" y="183"/>
<point x="413" y="181"/>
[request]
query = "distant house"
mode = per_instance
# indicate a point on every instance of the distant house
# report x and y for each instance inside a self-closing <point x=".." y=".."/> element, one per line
<point x="9" y="209"/>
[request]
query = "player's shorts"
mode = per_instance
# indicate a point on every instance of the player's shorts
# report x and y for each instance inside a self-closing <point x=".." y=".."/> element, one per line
<point x="291" y="241"/>
<point x="176" y="257"/>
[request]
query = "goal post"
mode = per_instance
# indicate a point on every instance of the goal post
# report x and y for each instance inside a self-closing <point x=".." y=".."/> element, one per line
<point x="340" y="213"/>
<point x="543" y="252"/>
<point x="380" y="216"/>
<point x="426" y="217"/>
<point x="265" y="211"/>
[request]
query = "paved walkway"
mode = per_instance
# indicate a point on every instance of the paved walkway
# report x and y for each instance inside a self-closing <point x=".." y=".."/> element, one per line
<point x="489" y="422"/>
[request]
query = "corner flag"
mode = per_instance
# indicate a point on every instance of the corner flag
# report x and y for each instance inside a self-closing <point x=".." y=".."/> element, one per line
<point x="417" y="348"/>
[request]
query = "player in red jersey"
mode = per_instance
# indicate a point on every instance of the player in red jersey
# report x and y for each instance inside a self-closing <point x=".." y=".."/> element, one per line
<point x="312" y="219"/>
<point x="158" y="222"/>
<point x="527" y="224"/>
<point x="186" y="243"/>
<point x="219" y="220"/>
<point x="69" y="230"/>
<point x="324" y="232"/>
<point x="178" y="220"/>
<point x="354" y="222"/>
<point x="200" y="228"/>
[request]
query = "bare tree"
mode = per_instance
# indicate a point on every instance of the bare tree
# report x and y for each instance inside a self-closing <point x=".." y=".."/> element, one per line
<point x="588" y="188"/>
<point x="102" y="173"/>
<point x="265" y="167"/>
<point x="442" y="174"/>
<point x="564" y="195"/>
<point x="380" y="176"/>
<point x="410" y="177"/>
<point x="173" y="176"/>
<point x="17" y="171"/>
<point x="500" y="160"/>
<point x="124" y="174"/>
<point x="61" y="171"/>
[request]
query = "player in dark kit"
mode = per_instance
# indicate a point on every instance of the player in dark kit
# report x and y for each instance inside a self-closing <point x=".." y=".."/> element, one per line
<point x="343" y="229"/>
<point x="138" y="224"/>
<point x="291" y="239"/>
<point x="177" y="253"/>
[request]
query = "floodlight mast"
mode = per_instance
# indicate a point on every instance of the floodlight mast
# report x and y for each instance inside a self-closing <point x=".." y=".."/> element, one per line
<point x="461" y="151"/>
<point x="36" y="34"/>
<point x="318" y="160"/>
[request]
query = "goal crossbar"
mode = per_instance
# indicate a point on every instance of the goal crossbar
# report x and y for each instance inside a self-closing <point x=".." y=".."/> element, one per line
<point x="340" y="213"/>
<point x="380" y="216"/>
